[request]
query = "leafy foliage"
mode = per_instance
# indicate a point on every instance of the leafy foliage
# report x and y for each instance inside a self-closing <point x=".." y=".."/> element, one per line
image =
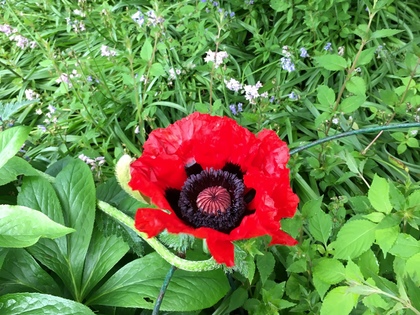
<point x="90" y="79"/>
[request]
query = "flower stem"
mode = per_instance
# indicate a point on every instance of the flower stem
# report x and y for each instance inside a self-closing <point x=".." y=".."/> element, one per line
<point x="163" y="290"/>
<point x="165" y="253"/>
<point x="352" y="133"/>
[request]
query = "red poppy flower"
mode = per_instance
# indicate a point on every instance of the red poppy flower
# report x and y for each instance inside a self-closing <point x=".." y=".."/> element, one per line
<point x="215" y="180"/>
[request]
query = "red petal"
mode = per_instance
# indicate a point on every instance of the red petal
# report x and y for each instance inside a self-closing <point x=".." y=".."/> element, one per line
<point x="223" y="251"/>
<point x="154" y="221"/>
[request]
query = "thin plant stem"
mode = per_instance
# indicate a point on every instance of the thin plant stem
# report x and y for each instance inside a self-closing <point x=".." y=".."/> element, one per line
<point x="163" y="290"/>
<point x="352" y="133"/>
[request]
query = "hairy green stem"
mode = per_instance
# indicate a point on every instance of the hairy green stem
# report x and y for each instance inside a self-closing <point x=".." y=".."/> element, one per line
<point x="165" y="253"/>
<point x="352" y="133"/>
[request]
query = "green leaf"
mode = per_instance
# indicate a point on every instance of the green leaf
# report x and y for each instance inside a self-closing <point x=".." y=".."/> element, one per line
<point x="40" y="304"/>
<point x="405" y="246"/>
<point x="384" y="33"/>
<point x="14" y="167"/>
<point x="137" y="284"/>
<point x="21" y="272"/>
<point x="320" y="286"/>
<point x="368" y="263"/>
<point x="352" y="103"/>
<point x="339" y="301"/>
<point x="76" y="191"/>
<point x="156" y="70"/>
<point x="412" y="268"/>
<point x="279" y="5"/>
<point x="11" y="140"/>
<point x="366" y="56"/>
<point x="354" y="238"/>
<point x="146" y="51"/>
<point x="22" y="227"/>
<point x="332" y="62"/>
<point x="329" y="270"/>
<point x="103" y="254"/>
<point x="265" y="265"/>
<point x="386" y="237"/>
<point x="326" y="97"/>
<point x="353" y="273"/>
<point x="356" y="85"/>
<point x="379" y="195"/>
<point x="320" y="225"/>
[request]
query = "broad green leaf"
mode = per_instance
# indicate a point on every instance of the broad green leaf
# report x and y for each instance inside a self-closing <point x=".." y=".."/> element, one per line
<point x="339" y="301"/>
<point x="354" y="238"/>
<point x="352" y="103"/>
<point x="368" y="263"/>
<point x="279" y="5"/>
<point x="412" y="268"/>
<point x="325" y="96"/>
<point x="379" y="195"/>
<point x="21" y="272"/>
<point x="332" y="62"/>
<point x="320" y="286"/>
<point x="14" y="167"/>
<point x="146" y="51"/>
<point x="405" y="246"/>
<point x="384" y="33"/>
<point x="104" y="252"/>
<point x="329" y="270"/>
<point x="22" y="227"/>
<point x="353" y="273"/>
<point x="137" y="284"/>
<point x="320" y="226"/>
<point x="386" y="237"/>
<point x="414" y="199"/>
<point x="265" y="265"/>
<point x="356" y="85"/>
<point x="156" y="70"/>
<point x="237" y="299"/>
<point x="366" y="56"/>
<point x="76" y="192"/>
<point x="40" y="304"/>
<point x="11" y="140"/>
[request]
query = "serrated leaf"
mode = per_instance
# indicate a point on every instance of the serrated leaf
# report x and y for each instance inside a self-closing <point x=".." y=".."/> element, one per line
<point x="320" y="286"/>
<point x="356" y="85"/>
<point x="386" y="237"/>
<point x="366" y="56"/>
<point x="354" y="238"/>
<point x="137" y="284"/>
<point x="368" y="263"/>
<point x="386" y="32"/>
<point x="378" y="195"/>
<point x="405" y="246"/>
<point x="352" y="103"/>
<point x="329" y="270"/>
<point x="156" y="70"/>
<point x="353" y="273"/>
<point x="325" y="96"/>
<point x="40" y="304"/>
<point x="22" y="227"/>
<point x="146" y="51"/>
<point x="320" y="225"/>
<point x="265" y="265"/>
<point x="11" y="140"/>
<point x="412" y="268"/>
<point x="331" y="62"/>
<point x="339" y="301"/>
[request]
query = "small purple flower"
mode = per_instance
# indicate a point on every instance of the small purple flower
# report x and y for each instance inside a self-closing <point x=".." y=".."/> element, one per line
<point x="272" y="99"/>
<point x="327" y="47"/>
<point x="293" y="96"/>
<point x="89" y="78"/>
<point x="215" y="3"/>
<point x="236" y="109"/>
<point x="303" y="52"/>
<point x="287" y="64"/>
<point x="232" y="14"/>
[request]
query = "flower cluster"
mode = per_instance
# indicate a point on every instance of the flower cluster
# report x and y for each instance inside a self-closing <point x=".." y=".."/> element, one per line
<point x="65" y="78"/>
<point x="233" y="85"/>
<point x="51" y="118"/>
<point x="152" y="18"/>
<point x="287" y="64"/>
<point x="216" y="57"/>
<point x="107" y="52"/>
<point x="250" y="91"/>
<point x="236" y="109"/>
<point x="31" y="95"/>
<point x="77" y="25"/>
<point x="95" y="164"/>
<point x="21" y="41"/>
<point x="173" y="73"/>
<point x="215" y="180"/>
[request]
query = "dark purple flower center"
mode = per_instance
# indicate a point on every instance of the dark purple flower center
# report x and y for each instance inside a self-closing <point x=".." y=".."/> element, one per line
<point x="212" y="198"/>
